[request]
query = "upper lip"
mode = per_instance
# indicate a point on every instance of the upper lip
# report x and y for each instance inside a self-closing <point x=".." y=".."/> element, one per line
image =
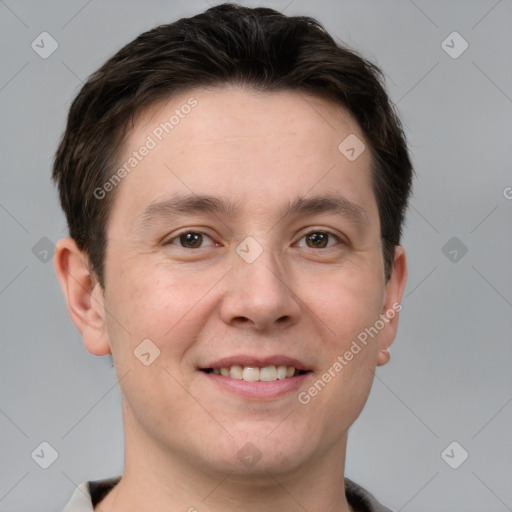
<point x="256" y="362"/>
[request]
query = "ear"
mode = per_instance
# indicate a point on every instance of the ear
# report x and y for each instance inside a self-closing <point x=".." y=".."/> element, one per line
<point x="84" y="296"/>
<point x="392" y="304"/>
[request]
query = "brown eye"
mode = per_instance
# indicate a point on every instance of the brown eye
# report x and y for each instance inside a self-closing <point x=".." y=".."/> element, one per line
<point x="317" y="240"/>
<point x="191" y="240"/>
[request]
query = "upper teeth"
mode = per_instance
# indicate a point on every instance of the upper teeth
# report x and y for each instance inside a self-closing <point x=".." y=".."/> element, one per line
<point x="252" y="374"/>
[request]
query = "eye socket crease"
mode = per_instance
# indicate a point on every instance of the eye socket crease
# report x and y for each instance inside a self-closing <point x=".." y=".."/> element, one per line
<point x="302" y="206"/>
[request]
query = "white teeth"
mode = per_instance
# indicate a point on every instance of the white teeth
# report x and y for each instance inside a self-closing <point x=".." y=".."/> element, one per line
<point x="251" y="374"/>
<point x="236" y="372"/>
<point x="268" y="374"/>
<point x="254" y="374"/>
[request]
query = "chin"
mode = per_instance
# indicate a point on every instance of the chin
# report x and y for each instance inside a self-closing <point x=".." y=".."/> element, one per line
<point x="260" y="451"/>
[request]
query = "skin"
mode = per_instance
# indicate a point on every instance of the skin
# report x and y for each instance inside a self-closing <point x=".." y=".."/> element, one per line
<point x="197" y="305"/>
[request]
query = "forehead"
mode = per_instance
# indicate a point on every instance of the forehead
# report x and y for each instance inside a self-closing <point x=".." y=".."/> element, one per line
<point x="228" y="103"/>
<point x="234" y="114"/>
<point x="263" y="149"/>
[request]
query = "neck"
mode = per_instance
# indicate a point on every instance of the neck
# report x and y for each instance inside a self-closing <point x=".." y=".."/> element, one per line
<point x="154" y="480"/>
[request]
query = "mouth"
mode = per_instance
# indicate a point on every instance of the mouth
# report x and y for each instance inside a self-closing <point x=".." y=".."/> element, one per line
<point x="269" y="373"/>
<point x="253" y="378"/>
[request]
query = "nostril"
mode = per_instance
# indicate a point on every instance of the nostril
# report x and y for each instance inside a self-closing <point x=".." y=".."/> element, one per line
<point x="241" y="320"/>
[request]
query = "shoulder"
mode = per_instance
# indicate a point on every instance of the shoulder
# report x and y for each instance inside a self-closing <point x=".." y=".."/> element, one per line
<point x="361" y="500"/>
<point x="89" y="493"/>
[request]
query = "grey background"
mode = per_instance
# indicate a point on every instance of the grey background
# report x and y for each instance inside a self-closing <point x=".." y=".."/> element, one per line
<point x="450" y="376"/>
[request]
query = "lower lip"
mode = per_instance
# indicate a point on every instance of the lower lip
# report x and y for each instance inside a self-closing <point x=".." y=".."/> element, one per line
<point x="258" y="390"/>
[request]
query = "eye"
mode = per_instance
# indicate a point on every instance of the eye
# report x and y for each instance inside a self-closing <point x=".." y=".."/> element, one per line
<point x="189" y="240"/>
<point x="319" y="240"/>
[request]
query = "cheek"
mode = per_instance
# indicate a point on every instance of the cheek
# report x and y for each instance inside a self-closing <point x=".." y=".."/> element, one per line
<point x="149" y="303"/>
<point x="346" y="302"/>
<point x="129" y="303"/>
<point x="152" y="301"/>
<point x="350" y="345"/>
<point x="342" y="384"/>
<point x="346" y="308"/>
<point x="148" y="299"/>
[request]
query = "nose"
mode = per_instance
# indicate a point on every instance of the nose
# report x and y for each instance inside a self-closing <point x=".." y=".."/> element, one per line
<point x="259" y="295"/>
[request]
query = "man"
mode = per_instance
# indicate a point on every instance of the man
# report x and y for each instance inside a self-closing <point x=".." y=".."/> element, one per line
<point x="235" y="185"/>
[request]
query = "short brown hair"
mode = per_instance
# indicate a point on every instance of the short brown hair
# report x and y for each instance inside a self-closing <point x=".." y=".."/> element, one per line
<point x="227" y="44"/>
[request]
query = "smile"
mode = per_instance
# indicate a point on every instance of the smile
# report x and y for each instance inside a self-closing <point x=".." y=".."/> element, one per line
<point x="254" y="374"/>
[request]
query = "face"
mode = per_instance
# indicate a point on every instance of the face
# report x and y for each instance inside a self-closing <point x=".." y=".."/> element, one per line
<point x="244" y="247"/>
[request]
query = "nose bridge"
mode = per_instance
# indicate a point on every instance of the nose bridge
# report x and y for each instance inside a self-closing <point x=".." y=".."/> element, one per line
<point x="262" y="266"/>
<point x="260" y="291"/>
<point x="258" y="267"/>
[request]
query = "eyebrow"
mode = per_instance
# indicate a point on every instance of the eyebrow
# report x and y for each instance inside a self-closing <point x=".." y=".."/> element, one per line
<point x="193" y="204"/>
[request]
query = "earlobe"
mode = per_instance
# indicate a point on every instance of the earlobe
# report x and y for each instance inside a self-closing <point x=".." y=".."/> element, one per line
<point x="84" y="296"/>
<point x="384" y="357"/>
<point x="392" y="304"/>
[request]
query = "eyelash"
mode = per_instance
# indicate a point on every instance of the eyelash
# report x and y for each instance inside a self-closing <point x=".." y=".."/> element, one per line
<point x="337" y="238"/>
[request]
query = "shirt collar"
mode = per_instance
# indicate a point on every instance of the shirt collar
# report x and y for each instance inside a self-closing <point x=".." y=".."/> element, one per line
<point x="90" y="493"/>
